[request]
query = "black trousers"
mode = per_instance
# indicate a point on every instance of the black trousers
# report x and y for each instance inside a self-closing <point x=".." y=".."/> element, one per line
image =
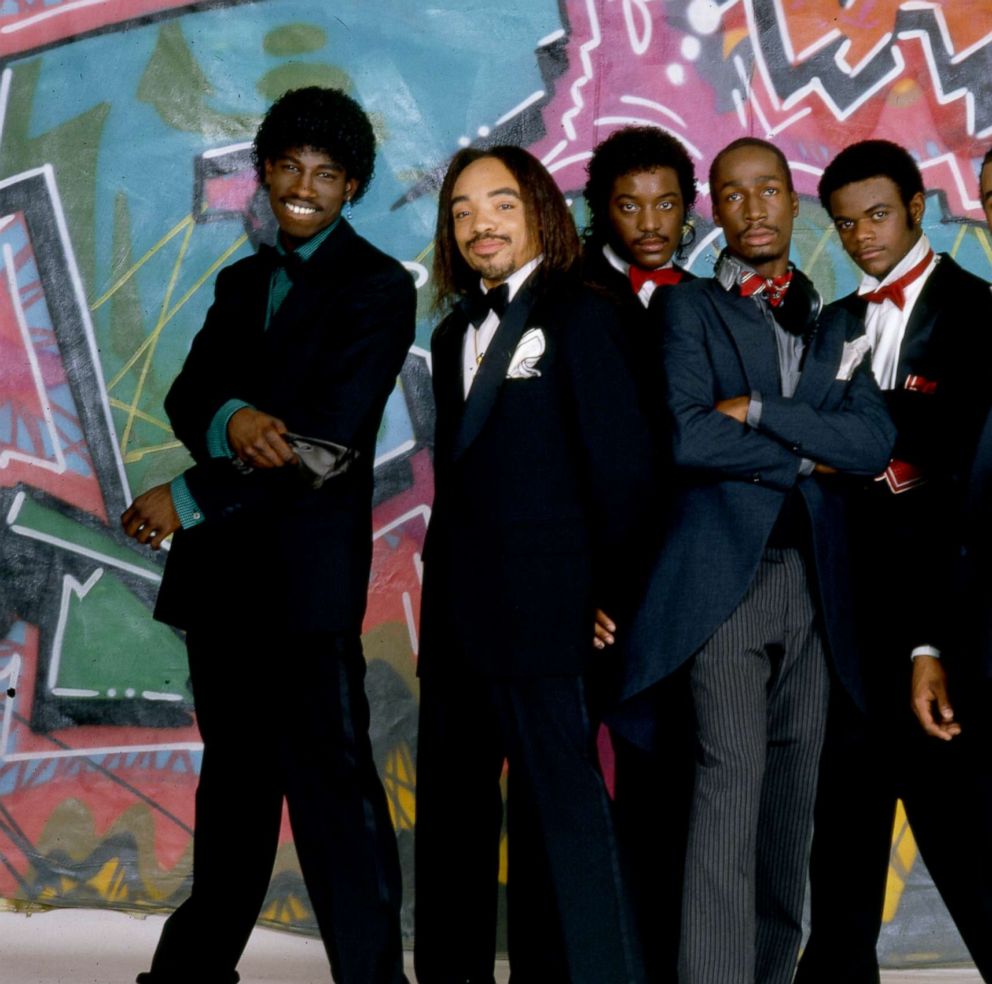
<point x="568" y="919"/>
<point x="868" y="763"/>
<point x="285" y="717"/>
<point x="653" y="796"/>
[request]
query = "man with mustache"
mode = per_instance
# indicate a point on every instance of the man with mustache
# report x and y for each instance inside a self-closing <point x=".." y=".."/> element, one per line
<point x="541" y="474"/>
<point x="640" y="193"/>
<point x="929" y="324"/>
<point x="269" y="569"/>
<point x="769" y="400"/>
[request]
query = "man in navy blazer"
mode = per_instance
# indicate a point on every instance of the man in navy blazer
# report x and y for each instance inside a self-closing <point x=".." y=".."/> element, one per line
<point x="769" y="398"/>
<point x="269" y="570"/>
<point x="929" y="323"/>
<point x="541" y="474"/>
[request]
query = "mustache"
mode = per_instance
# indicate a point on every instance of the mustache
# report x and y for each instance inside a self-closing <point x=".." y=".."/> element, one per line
<point x="486" y="235"/>
<point x="651" y="238"/>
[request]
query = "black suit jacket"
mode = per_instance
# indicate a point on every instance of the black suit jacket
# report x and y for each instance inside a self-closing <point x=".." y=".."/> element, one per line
<point x="734" y="480"/>
<point x="271" y="547"/>
<point x="540" y="485"/>
<point x="908" y="547"/>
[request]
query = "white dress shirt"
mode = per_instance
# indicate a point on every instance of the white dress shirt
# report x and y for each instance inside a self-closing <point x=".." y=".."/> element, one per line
<point x="477" y="340"/>
<point x="885" y="324"/>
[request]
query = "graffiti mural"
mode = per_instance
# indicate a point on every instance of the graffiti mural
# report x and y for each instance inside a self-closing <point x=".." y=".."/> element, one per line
<point x="123" y="192"/>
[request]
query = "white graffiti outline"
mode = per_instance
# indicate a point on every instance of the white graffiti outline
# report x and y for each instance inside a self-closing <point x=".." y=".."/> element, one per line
<point x="66" y="8"/>
<point x="58" y="466"/>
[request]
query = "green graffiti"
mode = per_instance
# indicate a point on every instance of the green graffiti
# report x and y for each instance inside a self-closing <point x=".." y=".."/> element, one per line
<point x="296" y="75"/>
<point x="294" y="39"/>
<point x="177" y="88"/>
<point x="127" y="326"/>
<point x="70" y="148"/>
<point x="112" y="647"/>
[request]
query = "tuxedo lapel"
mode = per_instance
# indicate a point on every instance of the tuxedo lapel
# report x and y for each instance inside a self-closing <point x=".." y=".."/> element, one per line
<point x="820" y="365"/>
<point x="492" y="372"/>
<point x="754" y="338"/>
<point x="916" y="339"/>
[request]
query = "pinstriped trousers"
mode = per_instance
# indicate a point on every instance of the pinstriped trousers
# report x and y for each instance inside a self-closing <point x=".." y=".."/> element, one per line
<point x="760" y="687"/>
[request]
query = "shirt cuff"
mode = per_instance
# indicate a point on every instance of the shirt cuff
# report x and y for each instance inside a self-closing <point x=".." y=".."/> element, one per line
<point x="754" y="410"/>
<point x="187" y="510"/>
<point x="925" y="651"/>
<point x="217" y="443"/>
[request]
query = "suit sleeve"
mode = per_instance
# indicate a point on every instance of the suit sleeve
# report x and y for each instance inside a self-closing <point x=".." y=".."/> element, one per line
<point x="208" y="378"/>
<point x="343" y="401"/>
<point x="856" y="437"/>
<point x="703" y="439"/>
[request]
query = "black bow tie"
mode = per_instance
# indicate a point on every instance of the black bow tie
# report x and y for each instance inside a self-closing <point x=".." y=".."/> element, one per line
<point x="289" y="261"/>
<point x="478" y="304"/>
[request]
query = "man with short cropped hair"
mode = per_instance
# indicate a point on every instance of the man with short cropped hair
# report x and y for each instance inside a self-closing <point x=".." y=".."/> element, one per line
<point x="769" y="400"/>
<point x="929" y="327"/>
<point x="269" y="568"/>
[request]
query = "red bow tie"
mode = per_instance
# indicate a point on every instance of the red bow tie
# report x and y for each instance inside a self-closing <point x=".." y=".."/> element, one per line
<point x="896" y="291"/>
<point x="663" y="277"/>
<point x="774" y="288"/>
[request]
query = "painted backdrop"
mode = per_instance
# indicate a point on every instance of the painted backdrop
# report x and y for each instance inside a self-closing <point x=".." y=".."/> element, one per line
<point x="125" y="185"/>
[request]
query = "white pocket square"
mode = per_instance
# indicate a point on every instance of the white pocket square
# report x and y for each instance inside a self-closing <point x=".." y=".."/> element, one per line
<point x="525" y="357"/>
<point x="854" y="352"/>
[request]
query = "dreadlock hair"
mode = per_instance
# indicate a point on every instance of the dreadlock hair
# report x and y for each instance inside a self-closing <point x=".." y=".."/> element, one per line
<point x="549" y="221"/>
<point x="630" y="150"/>
<point x="872" y="159"/>
<point x="322" y="119"/>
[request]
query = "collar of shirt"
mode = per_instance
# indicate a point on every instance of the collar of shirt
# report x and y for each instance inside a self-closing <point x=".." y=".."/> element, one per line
<point x="477" y="340"/>
<point x="729" y="269"/>
<point x="306" y="249"/>
<point x="622" y="266"/>
<point x="914" y="256"/>
<point x="885" y="324"/>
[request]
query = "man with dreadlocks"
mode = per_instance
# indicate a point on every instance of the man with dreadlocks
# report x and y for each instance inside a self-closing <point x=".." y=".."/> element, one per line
<point x="269" y="569"/>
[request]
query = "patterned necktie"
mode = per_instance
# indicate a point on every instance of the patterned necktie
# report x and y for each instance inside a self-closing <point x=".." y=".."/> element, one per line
<point x="773" y="288"/>
<point x="896" y="291"/>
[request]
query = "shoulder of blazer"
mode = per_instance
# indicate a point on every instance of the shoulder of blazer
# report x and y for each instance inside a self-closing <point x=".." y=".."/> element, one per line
<point x="951" y="279"/>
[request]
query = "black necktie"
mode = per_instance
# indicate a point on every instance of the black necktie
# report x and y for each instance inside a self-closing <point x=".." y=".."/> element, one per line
<point x="479" y="304"/>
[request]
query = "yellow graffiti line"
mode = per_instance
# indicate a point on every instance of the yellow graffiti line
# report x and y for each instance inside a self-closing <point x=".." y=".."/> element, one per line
<point x="153" y="341"/>
<point x="958" y="240"/>
<point x="818" y="249"/>
<point x="143" y="347"/>
<point x="132" y="456"/>
<point x="167" y="238"/>
<point x="219" y="262"/>
<point x="421" y="256"/>
<point x="399" y="779"/>
<point x="900" y="863"/>
<point x="141" y="415"/>
<point x="982" y="236"/>
<point x="504" y="860"/>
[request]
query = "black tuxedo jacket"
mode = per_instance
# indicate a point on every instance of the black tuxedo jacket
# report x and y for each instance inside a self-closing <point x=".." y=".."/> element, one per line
<point x="907" y="547"/>
<point x="271" y="547"/>
<point x="541" y="482"/>
<point x="734" y="480"/>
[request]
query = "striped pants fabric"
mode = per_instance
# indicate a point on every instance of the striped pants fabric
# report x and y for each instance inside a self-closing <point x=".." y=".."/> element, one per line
<point x="760" y="687"/>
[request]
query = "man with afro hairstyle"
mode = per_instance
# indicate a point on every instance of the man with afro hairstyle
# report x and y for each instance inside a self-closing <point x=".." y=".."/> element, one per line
<point x="640" y="192"/>
<point x="269" y="568"/>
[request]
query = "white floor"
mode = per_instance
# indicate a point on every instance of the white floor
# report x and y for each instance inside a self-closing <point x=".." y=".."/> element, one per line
<point x="90" y="946"/>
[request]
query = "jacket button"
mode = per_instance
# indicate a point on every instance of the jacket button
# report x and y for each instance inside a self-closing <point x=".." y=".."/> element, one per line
<point x="755" y="477"/>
